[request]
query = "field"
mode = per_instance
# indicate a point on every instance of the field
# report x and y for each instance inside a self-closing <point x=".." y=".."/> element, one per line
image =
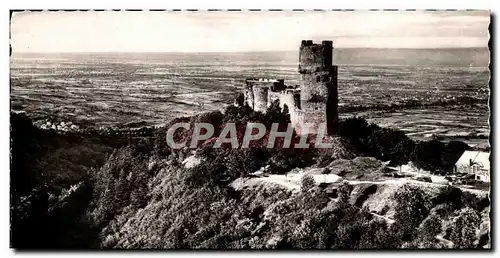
<point x="121" y="90"/>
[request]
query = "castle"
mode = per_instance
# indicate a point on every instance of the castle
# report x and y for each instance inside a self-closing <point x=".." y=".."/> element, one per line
<point x="315" y="101"/>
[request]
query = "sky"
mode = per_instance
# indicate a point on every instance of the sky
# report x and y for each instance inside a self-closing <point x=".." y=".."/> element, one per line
<point x="244" y="31"/>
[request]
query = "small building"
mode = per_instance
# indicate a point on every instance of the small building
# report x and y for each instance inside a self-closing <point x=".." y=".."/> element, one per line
<point x="476" y="163"/>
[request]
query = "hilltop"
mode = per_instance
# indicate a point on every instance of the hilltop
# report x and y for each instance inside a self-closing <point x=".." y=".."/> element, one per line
<point x="141" y="194"/>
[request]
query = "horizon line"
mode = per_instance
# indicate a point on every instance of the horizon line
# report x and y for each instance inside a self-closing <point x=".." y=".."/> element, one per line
<point x="242" y="51"/>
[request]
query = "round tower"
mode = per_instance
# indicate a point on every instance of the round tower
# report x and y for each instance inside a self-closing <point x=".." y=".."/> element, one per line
<point x="318" y="91"/>
<point x="260" y="98"/>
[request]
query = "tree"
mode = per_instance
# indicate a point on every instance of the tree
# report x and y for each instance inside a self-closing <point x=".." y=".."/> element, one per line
<point x="401" y="149"/>
<point x="307" y="182"/>
<point x="428" y="230"/>
<point x="451" y="195"/>
<point x="452" y="152"/>
<point x="344" y="192"/>
<point x="427" y="155"/>
<point x="376" y="234"/>
<point x="463" y="233"/>
<point x="381" y="143"/>
<point x="355" y="129"/>
<point x="410" y="210"/>
<point x="240" y="99"/>
<point x="275" y="114"/>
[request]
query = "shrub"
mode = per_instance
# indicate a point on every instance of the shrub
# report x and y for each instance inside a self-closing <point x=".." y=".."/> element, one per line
<point x="451" y="195"/>
<point x="477" y="203"/>
<point x="442" y="210"/>
<point x="344" y="192"/>
<point x="376" y="234"/>
<point x="463" y="233"/>
<point x="208" y="172"/>
<point x="429" y="229"/>
<point x="348" y="235"/>
<point x="355" y="129"/>
<point x="410" y="210"/>
<point x="307" y="182"/>
<point x="283" y="160"/>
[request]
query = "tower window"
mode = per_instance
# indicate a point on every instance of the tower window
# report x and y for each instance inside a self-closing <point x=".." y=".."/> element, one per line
<point x="318" y="79"/>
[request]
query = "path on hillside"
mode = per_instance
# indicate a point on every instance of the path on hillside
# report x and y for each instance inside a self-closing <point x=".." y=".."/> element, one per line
<point x="406" y="180"/>
<point x="281" y="180"/>
<point x="293" y="182"/>
<point x="294" y="185"/>
<point x="434" y="178"/>
<point x="438" y="180"/>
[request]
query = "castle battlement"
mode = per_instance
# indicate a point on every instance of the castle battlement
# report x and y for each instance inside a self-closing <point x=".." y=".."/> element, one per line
<point x="264" y="80"/>
<point x="315" y="57"/>
<point x="315" y="100"/>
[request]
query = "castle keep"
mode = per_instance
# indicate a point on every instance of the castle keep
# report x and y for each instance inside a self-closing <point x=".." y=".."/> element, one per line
<point x="314" y="101"/>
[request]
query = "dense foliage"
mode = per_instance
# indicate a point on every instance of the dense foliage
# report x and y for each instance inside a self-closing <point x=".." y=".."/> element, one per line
<point x="393" y="145"/>
<point x="75" y="191"/>
<point x="210" y="215"/>
<point x="50" y="184"/>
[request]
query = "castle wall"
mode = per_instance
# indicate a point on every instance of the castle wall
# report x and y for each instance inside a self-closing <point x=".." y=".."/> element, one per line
<point x="317" y="100"/>
<point x="260" y="98"/>
<point x="287" y="99"/>
<point x="319" y="96"/>
<point x="332" y="103"/>
<point x="249" y="99"/>
<point x="250" y="89"/>
<point x="314" y="86"/>
<point x="315" y="57"/>
<point x="290" y="98"/>
<point x="273" y="96"/>
<point x="297" y="119"/>
<point x="315" y="114"/>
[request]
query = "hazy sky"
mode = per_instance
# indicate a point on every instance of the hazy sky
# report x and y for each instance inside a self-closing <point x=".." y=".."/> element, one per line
<point x="247" y="31"/>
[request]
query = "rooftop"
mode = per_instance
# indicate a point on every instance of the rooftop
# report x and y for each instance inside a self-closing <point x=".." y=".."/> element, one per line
<point x="478" y="157"/>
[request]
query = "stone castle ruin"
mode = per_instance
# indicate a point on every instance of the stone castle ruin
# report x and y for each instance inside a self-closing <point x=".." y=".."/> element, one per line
<point x="314" y="101"/>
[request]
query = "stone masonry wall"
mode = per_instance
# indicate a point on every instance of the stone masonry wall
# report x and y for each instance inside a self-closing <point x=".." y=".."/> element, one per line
<point x="260" y="98"/>
<point x="248" y="95"/>
<point x="272" y="96"/>
<point x="254" y="101"/>
<point x="318" y="97"/>
<point x="288" y="98"/>
<point x="317" y="100"/>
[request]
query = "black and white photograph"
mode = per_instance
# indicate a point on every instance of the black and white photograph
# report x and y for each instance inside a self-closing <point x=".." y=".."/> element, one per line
<point x="250" y="130"/>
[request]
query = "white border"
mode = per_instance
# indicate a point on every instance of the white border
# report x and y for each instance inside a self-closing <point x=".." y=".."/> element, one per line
<point x="253" y="4"/>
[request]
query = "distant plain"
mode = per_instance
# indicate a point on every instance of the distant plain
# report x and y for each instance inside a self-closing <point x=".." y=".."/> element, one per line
<point x="116" y="89"/>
